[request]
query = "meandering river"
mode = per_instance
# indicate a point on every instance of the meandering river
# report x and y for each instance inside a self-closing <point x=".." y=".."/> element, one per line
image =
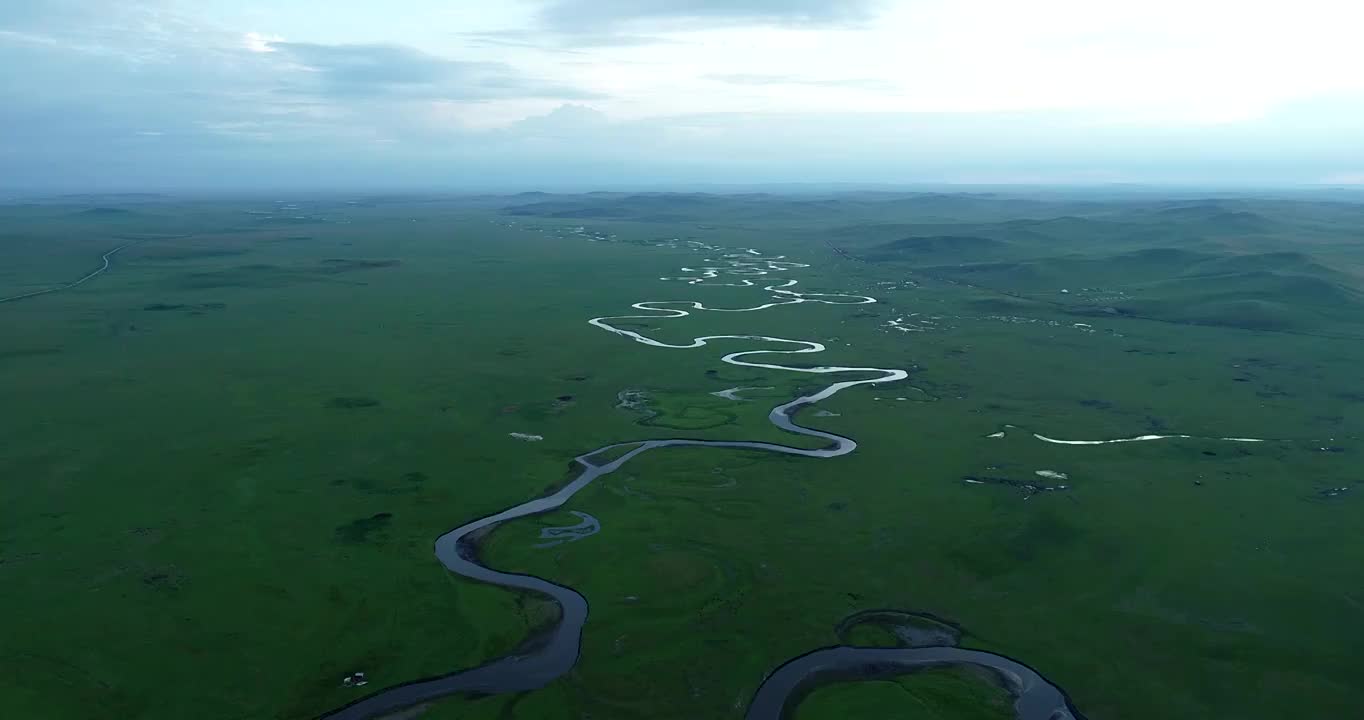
<point x="544" y="658"/>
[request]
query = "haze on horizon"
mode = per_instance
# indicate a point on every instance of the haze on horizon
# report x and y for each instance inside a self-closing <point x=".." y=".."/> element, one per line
<point x="234" y="94"/>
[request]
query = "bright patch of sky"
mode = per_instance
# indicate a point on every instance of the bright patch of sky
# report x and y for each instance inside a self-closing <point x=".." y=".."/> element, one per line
<point x="463" y="93"/>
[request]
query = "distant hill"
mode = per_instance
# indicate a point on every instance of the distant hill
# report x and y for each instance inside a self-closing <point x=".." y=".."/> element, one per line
<point x="113" y="196"/>
<point x="1212" y="217"/>
<point x="651" y="207"/>
<point x="811" y="211"/>
<point x="1279" y="264"/>
<point x="1050" y="275"/>
<point x="943" y="248"/>
<point x="103" y="212"/>
<point x="1260" y="300"/>
<point x="1026" y="238"/>
<point x="567" y="210"/>
<point x="1278" y="290"/>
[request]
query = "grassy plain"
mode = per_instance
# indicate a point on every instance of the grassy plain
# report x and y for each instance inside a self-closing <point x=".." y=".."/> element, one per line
<point x="224" y="461"/>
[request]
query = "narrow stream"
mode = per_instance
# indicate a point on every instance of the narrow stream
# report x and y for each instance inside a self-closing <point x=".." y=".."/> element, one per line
<point x="106" y="262"/>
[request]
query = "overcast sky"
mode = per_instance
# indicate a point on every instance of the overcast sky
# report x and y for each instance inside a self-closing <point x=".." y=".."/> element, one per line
<point x="236" y="94"/>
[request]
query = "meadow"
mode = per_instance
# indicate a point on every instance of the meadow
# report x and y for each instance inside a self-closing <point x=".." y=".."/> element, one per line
<point x="225" y="459"/>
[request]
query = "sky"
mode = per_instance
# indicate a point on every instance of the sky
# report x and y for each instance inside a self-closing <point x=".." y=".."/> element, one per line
<point x="204" y="95"/>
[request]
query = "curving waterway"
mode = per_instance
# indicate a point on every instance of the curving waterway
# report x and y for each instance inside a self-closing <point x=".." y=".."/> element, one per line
<point x="1138" y="438"/>
<point x="551" y="654"/>
<point x="106" y="263"/>
<point x="1034" y="697"/>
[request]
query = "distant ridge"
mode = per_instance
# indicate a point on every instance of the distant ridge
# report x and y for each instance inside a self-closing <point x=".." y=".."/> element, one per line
<point x="103" y="212"/>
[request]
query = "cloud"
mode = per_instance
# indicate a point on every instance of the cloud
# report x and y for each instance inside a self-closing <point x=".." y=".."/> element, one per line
<point x="698" y="89"/>
<point x="258" y="43"/>
<point x="348" y="71"/>
<point x="371" y="68"/>
<point x="16" y="36"/>
<point x="566" y="121"/>
<point x="763" y="80"/>
<point x="597" y="16"/>
<point x="562" y="43"/>
<point x="31" y="12"/>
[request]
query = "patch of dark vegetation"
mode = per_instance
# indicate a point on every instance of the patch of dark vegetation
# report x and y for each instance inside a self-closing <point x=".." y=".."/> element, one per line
<point x="334" y="266"/>
<point x="406" y="484"/>
<point x="372" y="529"/>
<point x="268" y="275"/>
<point x="255" y="275"/>
<point x="168" y="307"/>
<point x="167" y="579"/>
<point x="28" y="352"/>
<point x="940" y="248"/>
<point x="351" y="403"/>
<point x="1028" y="487"/>
<point x="560" y="404"/>
<point x="691" y="418"/>
<point x="189" y="253"/>
<point x="254" y="451"/>
<point x="540" y="411"/>
<point x="1044" y="532"/>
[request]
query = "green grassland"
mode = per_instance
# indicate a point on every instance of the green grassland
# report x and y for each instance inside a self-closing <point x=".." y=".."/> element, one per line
<point x="929" y="696"/>
<point x="225" y="460"/>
